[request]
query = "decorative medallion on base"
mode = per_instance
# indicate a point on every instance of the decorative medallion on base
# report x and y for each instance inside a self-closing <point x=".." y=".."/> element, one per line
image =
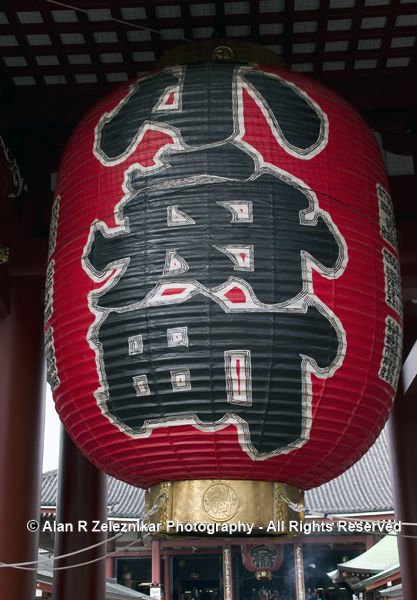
<point x="225" y="507"/>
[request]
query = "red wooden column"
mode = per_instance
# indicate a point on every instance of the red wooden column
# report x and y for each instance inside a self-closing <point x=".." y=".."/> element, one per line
<point x="82" y="496"/>
<point x="21" y="423"/>
<point x="110" y="567"/>
<point x="156" y="561"/>
<point x="155" y="589"/>
<point x="403" y="435"/>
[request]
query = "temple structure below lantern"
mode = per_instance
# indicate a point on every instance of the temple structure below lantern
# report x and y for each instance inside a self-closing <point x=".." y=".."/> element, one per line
<point x="224" y="506"/>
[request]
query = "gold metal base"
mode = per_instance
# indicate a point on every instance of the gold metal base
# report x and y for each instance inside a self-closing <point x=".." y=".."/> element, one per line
<point x="224" y="507"/>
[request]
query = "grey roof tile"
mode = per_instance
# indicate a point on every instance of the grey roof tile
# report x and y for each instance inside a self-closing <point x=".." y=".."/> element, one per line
<point x="365" y="487"/>
<point x="114" y="591"/>
<point x="123" y="500"/>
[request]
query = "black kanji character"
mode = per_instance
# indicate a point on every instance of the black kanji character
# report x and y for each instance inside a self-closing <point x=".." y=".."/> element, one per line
<point x="279" y="237"/>
<point x="140" y="388"/>
<point x="293" y="114"/>
<point x="205" y="112"/>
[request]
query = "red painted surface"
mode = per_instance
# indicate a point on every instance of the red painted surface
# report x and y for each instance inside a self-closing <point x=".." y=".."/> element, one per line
<point x="82" y="496"/>
<point x="236" y="295"/>
<point x="21" y="425"/>
<point x="156" y="562"/>
<point x="110" y="567"/>
<point x="403" y="423"/>
<point x="172" y="291"/>
<point x="238" y="375"/>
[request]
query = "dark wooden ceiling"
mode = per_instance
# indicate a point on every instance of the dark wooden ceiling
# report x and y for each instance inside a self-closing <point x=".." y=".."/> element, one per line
<point x="57" y="58"/>
<point x="364" y="48"/>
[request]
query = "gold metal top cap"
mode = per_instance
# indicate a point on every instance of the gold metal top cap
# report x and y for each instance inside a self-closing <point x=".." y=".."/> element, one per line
<point x="221" y="50"/>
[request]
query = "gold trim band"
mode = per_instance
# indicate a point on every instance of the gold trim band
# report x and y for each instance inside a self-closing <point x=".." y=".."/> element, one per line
<point x="224" y="507"/>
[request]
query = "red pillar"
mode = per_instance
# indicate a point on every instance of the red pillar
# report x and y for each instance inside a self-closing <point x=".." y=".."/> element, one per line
<point x="82" y="496"/>
<point x="110" y="567"/>
<point x="156" y="561"/>
<point x="403" y="433"/>
<point x="21" y="426"/>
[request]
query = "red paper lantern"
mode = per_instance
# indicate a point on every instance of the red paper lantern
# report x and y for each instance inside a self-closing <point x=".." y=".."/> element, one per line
<point x="262" y="559"/>
<point x="223" y="296"/>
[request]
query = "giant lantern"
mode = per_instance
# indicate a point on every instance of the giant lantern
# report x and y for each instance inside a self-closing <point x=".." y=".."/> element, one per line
<point x="223" y="319"/>
<point x="262" y="559"/>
